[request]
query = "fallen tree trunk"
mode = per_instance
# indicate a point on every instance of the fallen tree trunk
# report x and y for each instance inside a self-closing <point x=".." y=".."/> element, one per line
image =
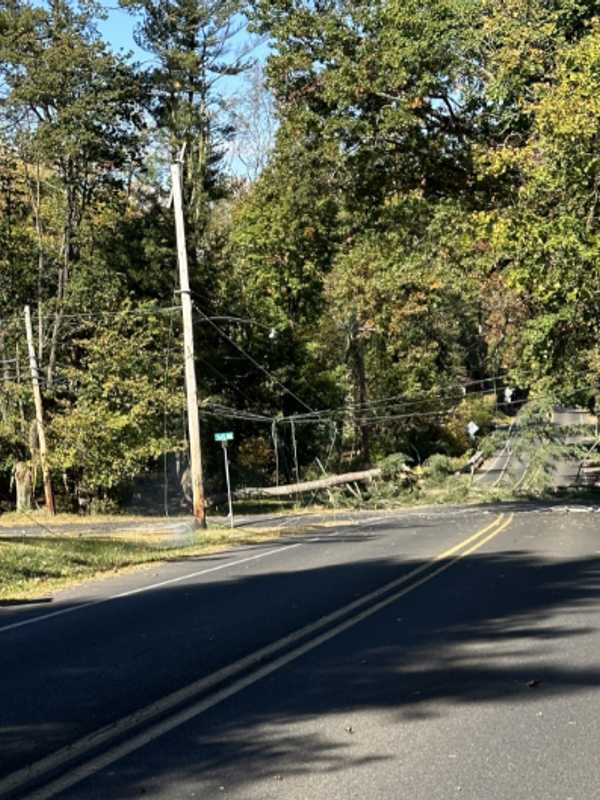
<point x="473" y="463"/>
<point x="309" y="486"/>
<point x="298" y="488"/>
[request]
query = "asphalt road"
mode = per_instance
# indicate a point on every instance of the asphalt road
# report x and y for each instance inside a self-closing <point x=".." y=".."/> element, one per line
<point x="506" y="469"/>
<point x="440" y="655"/>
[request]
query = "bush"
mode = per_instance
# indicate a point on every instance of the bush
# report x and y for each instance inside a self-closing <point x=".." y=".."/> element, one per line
<point x="103" y="505"/>
<point x="393" y="467"/>
<point x="438" y="468"/>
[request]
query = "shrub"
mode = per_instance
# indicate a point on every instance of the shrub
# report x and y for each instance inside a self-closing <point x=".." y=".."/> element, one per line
<point x="394" y="466"/>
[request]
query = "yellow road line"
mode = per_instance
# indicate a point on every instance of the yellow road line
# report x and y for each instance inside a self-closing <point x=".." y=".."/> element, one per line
<point x="122" y="726"/>
<point x="488" y="538"/>
<point x="465" y="542"/>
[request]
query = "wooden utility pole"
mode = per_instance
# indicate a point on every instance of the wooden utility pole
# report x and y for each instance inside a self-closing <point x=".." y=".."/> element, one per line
<point x="188" y="352"/>
<point x="5" y="377"/>
<point x="39" y="414"/>
<point x="295" y="450"/>
<point x="276" y="449"/>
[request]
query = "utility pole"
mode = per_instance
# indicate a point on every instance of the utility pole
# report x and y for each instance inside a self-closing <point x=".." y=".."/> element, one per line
<point x="226" y="458"/>
<point x="276" y="449"/>
<point x="188" y="351"/>
<point x="5" y="377"/>
<point x="39" y="414"/>
<point x="295" y="449"/>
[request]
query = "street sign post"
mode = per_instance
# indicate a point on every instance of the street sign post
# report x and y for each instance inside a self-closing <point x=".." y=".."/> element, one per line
<point x="224" y="438"/>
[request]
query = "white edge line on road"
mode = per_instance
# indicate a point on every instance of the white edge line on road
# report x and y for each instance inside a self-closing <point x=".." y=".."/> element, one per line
<point x="118" y="752"/>
<point x="123" y="725"/>
<point x="149" y="587"/>
<point x="141" y="589"/>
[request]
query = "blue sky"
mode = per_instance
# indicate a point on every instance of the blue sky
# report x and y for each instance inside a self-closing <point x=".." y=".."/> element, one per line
<point x="119" y="26"/>
<point x="118" y="30"/>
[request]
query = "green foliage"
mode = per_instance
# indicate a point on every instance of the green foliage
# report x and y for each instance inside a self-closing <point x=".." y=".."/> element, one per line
<point x="479" y="410"/>
<point x="191" y="51"/>
<point x="427" y="218"/>
<point x="438" y="468"/>
<point x="547" y="239"/>
<point x="75" y="104"/>
<point x="393" y="466"/>
<point x="494" y="442"/>
<point x="114" y="423"/>
<point x="282" y="237"/>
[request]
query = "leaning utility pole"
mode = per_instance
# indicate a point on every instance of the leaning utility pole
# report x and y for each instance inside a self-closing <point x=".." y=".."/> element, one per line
<point x="39" y="414"/>
<point x="188" y="351"/>
<point x="295" y="450"/>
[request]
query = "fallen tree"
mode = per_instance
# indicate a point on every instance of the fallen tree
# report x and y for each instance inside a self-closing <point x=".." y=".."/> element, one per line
<point x="308" y="486"/>
<point x="251" y="492"/>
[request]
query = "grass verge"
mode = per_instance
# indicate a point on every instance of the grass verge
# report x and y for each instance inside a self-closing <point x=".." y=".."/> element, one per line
<point x="11" y="519"/>
<point x="31" y="567"/>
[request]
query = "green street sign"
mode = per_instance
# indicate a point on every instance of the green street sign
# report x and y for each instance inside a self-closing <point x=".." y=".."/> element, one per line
<point x="224" y="437"/>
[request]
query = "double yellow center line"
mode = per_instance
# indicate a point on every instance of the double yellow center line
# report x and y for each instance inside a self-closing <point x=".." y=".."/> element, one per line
<point x="183" y="705"/>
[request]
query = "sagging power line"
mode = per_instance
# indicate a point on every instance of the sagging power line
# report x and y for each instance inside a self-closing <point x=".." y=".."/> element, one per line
<point x="252" y="360"/>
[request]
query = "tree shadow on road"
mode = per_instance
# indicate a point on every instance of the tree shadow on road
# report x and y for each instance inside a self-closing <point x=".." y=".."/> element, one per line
<point x="496" y="627"/>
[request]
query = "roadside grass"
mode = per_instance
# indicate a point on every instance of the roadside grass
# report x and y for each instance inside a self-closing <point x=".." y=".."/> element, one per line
<point x="40" y="518"/>
<point x="31" y="567"/>
<point x="10" y="519"/>
<point x="34" y="566"/>
<point x="261" y="505"/>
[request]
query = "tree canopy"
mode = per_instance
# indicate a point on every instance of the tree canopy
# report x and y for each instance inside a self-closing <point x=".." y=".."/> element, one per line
<point x="410" y="224"/>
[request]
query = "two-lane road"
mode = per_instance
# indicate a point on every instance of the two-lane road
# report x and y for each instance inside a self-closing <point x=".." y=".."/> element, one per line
<point x="426" y="655"/>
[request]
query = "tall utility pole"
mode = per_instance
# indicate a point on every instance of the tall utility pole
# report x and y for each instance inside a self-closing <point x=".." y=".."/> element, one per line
<point x="188" y="351"/>
<point x="295" y="449"/>
<point x="39" y="414"/>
